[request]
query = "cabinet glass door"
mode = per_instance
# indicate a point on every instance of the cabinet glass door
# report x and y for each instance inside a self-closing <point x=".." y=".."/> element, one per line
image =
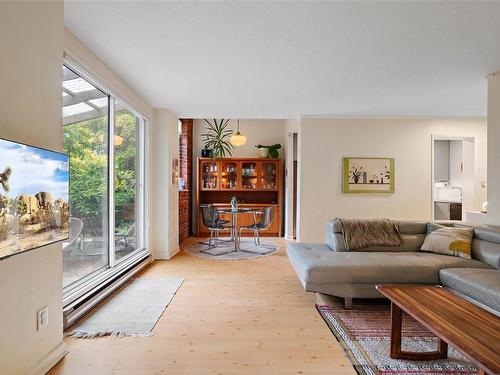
<point x="209" y="175"/>
<point x="229" y="175"/>
<point x="249" y="178"/>
<point x="269" y="175"/>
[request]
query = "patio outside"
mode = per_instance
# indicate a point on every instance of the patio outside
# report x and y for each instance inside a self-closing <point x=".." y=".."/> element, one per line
<point x="85" y="133"/>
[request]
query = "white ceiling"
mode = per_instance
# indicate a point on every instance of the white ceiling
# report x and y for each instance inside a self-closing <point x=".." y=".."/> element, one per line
<point x="286" y="59"/>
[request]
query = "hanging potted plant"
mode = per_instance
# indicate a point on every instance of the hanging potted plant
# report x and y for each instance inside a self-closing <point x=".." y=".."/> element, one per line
<point x="216" y="138"/>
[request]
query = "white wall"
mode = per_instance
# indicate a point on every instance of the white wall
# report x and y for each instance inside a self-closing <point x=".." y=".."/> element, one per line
<point x="82" y="55"/>
<point x="324" y="141"/>
<point x="494" y="149"/>
<point x="164" y="208"/>
<point x="31" y="45"/>
<point x="264" y="132"/>
<point x="291" y="127"/>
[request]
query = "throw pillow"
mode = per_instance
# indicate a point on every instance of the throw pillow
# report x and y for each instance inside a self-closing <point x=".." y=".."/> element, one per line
<point x="448" y="240"/>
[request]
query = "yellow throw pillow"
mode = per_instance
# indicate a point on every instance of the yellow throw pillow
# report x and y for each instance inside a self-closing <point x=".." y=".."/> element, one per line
<point x="448" y="240"/>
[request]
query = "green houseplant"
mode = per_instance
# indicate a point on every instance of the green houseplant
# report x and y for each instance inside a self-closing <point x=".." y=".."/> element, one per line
<point x="273" y="150"/>
<point x="216" y="137"/>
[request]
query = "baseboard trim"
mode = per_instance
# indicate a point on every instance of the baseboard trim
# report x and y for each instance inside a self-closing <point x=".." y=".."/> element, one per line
<point x="175" y="252"/>
<point x="45" y="364"/>
<point x="165" y="255"/>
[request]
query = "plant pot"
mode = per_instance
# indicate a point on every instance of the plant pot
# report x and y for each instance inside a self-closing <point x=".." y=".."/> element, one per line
<point x="206" y="153"/>
<point x="264" y="152"/>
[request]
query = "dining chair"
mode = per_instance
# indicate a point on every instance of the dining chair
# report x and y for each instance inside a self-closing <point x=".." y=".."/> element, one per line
<point x="215" y="225"/>
<point x="266" y="220"/>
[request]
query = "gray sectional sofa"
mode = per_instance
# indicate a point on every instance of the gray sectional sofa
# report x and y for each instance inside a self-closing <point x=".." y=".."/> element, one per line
<point x="330" y="269"/>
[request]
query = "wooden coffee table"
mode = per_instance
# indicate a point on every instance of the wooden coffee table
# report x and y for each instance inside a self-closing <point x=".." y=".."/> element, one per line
<point x="471" y="330"/>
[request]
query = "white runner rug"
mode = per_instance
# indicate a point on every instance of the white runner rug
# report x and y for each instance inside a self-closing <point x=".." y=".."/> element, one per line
<point x="131" y="311"/>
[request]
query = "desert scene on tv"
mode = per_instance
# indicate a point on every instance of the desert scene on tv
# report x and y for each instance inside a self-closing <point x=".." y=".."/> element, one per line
<point x="34" y="187"/>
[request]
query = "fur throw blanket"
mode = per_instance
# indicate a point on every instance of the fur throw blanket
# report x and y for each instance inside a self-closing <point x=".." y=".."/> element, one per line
<point x="362" y="233"/>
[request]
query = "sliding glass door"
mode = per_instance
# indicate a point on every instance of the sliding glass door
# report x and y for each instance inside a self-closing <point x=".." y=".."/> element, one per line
<point x="128" y="182"/>
<point x="105" y="140"/>
<point x="85" y="139"/>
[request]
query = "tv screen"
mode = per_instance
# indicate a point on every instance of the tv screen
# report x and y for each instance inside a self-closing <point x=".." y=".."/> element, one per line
<point x="34" y="188"/>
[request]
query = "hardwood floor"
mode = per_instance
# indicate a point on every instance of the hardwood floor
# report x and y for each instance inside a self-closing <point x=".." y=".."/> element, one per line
<point x="229" y="317"/>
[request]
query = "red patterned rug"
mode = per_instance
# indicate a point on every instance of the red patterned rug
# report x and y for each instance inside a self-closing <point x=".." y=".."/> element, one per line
<point x="364" y="333"/>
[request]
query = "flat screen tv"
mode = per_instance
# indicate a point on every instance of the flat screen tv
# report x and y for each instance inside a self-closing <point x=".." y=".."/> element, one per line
<point x="34" y="188"/>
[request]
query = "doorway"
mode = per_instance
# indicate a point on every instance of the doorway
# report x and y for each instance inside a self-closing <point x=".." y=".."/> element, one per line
<point x="295" y="152"/>
<point x="291" y="186"/>
<point x="453" y="177"/>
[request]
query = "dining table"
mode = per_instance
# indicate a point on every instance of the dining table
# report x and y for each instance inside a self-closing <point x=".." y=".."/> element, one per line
<point x="235" y="213"/>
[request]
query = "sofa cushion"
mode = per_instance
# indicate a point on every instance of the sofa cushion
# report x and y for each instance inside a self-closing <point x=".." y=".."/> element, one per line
<point x="296" y="252"/>
<point x="480" y="285"/>
<point x="486" y="245"/>
<point x="448" y="241"/>
<point x="317" y="264"/>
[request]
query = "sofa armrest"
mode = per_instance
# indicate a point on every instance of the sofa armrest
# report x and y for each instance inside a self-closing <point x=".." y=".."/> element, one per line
<point x="335" y="241"/>
<point x="334" y="238"/>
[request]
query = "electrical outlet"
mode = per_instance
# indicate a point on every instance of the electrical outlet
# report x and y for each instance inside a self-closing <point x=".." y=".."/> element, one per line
<point x="42" y="318"/>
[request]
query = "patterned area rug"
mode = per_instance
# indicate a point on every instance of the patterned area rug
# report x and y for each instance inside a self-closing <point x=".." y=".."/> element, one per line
<point x="225" y="250"/>
<point x="364" y="333"/>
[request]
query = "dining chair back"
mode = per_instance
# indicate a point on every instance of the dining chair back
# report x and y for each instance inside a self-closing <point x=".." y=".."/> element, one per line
<point x="266" y="218"/>
<point x="264" y="223"/>
<point x="214" y="224"/>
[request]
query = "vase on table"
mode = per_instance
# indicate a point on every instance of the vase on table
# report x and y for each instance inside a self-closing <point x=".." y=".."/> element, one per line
<point x="234" y="204"/>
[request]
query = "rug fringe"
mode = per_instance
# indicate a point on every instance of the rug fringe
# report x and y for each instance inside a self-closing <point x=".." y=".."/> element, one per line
<point x="95" y="335"/>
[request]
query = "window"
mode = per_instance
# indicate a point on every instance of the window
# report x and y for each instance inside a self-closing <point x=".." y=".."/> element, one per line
<point x="128" y="182"/>
<point x="85" y="135"/>
<point x="107" y="196"/>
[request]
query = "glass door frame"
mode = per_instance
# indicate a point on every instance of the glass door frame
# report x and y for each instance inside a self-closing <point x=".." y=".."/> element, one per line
<point x="87" y="283"/>
<point x="256" y="177"/>
<point x="140" y="182"/>
<point x="238" y="174"/>
<point x="276" y="176"/>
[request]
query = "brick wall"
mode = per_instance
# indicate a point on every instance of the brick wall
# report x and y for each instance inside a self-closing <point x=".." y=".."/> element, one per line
<point x="185" y="169"/>
<point x="184" y="215"/>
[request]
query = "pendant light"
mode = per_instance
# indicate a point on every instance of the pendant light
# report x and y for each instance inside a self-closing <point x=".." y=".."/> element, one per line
<point x="238" y="139"/>
<point x="117" y="138"/>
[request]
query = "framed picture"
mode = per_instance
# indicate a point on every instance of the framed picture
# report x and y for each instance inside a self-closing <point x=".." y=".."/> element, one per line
<point x="175" y="171"/>
<point x="368" y="175"/>
<point x="34" y="189"/>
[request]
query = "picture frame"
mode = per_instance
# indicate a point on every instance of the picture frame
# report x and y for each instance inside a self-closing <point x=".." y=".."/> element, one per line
<point x="34" y="197"/>
<point x="368" y="175"/>
<point x="175" y="171"/>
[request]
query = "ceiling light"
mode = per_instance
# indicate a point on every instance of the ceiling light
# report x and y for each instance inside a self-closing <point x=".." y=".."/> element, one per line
<point x="117" y="138"/>
<point x="238" y="139"/>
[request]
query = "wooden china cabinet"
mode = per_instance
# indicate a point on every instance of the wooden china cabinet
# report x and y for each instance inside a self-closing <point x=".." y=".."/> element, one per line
<point x="256" y="183"/>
